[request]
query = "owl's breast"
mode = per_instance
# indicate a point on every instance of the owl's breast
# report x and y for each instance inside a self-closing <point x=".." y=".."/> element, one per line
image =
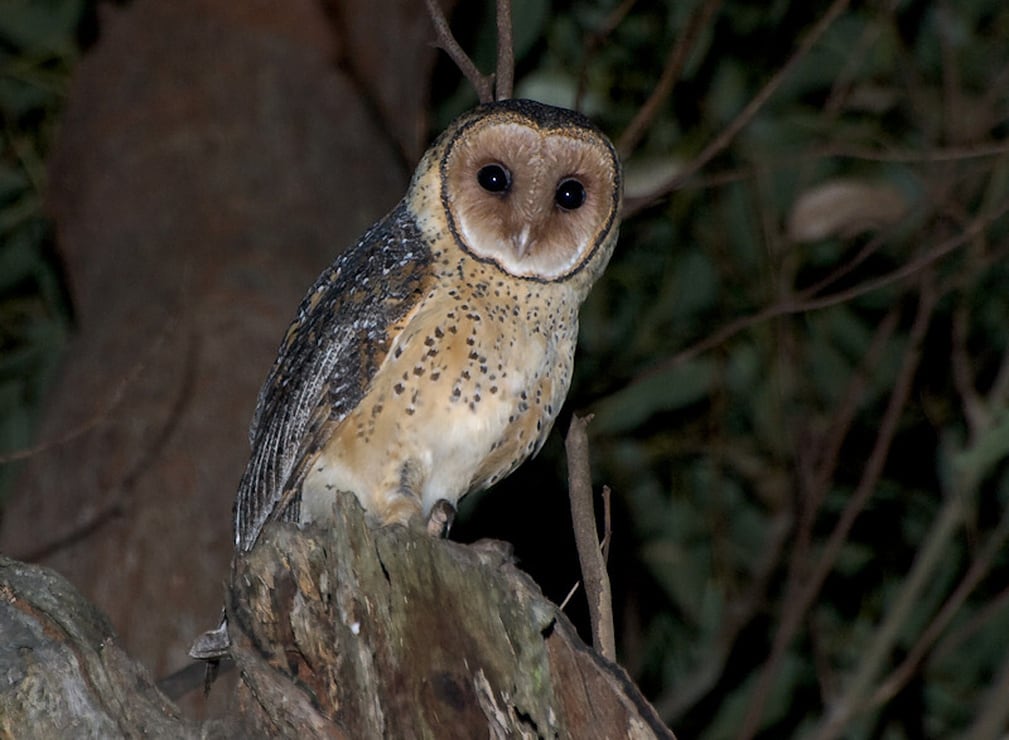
<point x="469" y="389"/>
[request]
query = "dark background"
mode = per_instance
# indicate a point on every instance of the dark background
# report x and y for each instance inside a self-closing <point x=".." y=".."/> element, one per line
<point x="798" y="360"/>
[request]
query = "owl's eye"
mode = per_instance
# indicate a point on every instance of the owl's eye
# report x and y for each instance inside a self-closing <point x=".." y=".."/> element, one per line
<point x="570" y="194"/>
<point x="494" y="178"/>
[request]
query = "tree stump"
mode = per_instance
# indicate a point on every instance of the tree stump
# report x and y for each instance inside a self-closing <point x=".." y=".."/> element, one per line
<point x="348" y="631"/>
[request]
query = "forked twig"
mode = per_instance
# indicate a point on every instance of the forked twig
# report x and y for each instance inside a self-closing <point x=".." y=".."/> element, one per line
<point x="675" y="61"/>
<point x="483" y="84"/>
<point x="490" y="87"/>
<point x="743" y="118"/>
<point x="799" y="604"/>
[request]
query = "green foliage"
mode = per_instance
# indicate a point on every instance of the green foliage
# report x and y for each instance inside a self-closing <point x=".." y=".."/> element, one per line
<point x="38" y="48"/>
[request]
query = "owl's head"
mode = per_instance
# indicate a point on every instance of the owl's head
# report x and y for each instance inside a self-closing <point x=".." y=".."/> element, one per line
<point x="534" y="189"/>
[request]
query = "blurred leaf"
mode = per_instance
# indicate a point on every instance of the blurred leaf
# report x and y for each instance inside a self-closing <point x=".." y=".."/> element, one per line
<point x="12" y="182"/>
<point x="729" y="718"/>
<point x="41" y="27"/>
<point x="844" y="207"/>
<point x="666" y="390"/>
<point x="989" y="449"/>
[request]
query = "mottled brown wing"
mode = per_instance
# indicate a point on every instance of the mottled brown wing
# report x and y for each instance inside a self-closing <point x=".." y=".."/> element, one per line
<point x="326" y="361"/>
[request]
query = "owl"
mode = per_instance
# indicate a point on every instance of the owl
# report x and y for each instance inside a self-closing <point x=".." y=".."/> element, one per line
<point x="432" y="357"/>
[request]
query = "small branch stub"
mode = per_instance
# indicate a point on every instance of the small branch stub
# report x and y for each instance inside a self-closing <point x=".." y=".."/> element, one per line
<point x="597" y="582"/>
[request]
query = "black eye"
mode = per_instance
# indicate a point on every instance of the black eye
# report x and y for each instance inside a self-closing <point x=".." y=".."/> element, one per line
<point x="494" y="178"/>
<point x="570" y="194"/>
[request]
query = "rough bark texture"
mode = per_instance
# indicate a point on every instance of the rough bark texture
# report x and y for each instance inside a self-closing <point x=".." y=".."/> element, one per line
<point x="345" y="632"/>
<point x="62" y="670"/>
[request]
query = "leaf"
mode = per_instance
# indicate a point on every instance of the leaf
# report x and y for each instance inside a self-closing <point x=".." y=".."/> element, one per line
<point x="41" y="27"/>
<point x="669" y="389"/>
<point x="844" y="207"/>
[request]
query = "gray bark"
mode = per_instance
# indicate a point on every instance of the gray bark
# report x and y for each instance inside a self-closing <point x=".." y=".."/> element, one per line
<point x="348" y="631"/>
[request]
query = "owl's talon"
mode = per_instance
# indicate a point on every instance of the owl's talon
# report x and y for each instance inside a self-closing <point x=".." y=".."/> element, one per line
<point x="439" y="521"/>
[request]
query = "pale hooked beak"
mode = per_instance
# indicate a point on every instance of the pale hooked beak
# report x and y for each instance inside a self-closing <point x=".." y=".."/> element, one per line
<point x="521" y="241"/>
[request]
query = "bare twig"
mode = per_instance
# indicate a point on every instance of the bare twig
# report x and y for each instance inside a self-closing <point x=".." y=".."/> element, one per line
<point x="804" y="300"/>
<point x="990" y="719"/>
<point x="698" y="683"/>
<point x="104" y="410"/>
<point x="898" y="611"/>
<point x="505" y="52"/>
<point x="636" y="129"/>
<point x="917" y="654"/>
<point x="798" y="606"/>
<point x="572" y="592"/>
<point x="119" y="505"/>
<point x="815" y="485"/>
<point x="483" y="84"/>
<point x="974" y="408"/>
<point x="105" y="515"/>
<point x="488" y="87"/>
<point x="597" y="582"/>
<point x="594" y="40"/>
<point x="987" y="612"/>
<point x="746" y="115"/>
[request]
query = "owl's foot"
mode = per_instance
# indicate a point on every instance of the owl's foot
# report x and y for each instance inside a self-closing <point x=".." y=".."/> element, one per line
<point x="439" y="521"/>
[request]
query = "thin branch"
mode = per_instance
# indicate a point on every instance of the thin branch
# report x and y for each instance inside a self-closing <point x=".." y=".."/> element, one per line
<point x="928" y="559"/>
<point x="103" y="516"/>
<point x="987" y="612"/>
<point x="998" y="396"/>
<point x="597" y="582"/>
<point x="592" y="43"/>
<point x="917" y="654"/>
<point x="974" y="409"/>
<point x="483" y="84"/>
<point x="677" y="57"/>
<point x="119" y="504"/>
<point x="798" y="606"/>
<point x="804" y="301"/>
<point x="104" y="411"/>
<point x="815" y="484"/>
<point x="686" y="693"/>
<point x="991" y="717"/>
<point x="505" y="81"/>
<point x="572" y="592"/>
<point x="746" y="115"/>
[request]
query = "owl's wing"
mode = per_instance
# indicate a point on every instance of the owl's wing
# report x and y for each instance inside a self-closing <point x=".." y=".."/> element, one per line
<point x="326" y="362"/>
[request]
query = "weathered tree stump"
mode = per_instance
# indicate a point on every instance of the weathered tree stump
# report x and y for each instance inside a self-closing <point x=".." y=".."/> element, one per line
<point x="62" y="671"/>
<point x="348" y="631"/>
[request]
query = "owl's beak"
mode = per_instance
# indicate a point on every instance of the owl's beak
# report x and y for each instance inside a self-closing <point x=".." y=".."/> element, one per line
<point x="521" y="241"/>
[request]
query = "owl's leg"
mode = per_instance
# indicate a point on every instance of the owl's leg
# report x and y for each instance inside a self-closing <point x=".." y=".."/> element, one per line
<point x="403" y="503"/>
<point x="439" y="521"/>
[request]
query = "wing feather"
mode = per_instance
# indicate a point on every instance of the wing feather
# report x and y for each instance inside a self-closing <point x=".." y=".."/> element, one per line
<point x="326" y="362"/>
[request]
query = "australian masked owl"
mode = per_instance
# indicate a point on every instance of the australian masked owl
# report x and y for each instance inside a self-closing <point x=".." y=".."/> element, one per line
<point x="432" y="357"/>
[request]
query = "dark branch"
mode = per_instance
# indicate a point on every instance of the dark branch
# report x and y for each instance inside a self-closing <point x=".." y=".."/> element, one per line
<point x="667" y="80"/>
<point x="505" y="52"/>
<point x="747" y="114"/>
<point x="483" y="84"/>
